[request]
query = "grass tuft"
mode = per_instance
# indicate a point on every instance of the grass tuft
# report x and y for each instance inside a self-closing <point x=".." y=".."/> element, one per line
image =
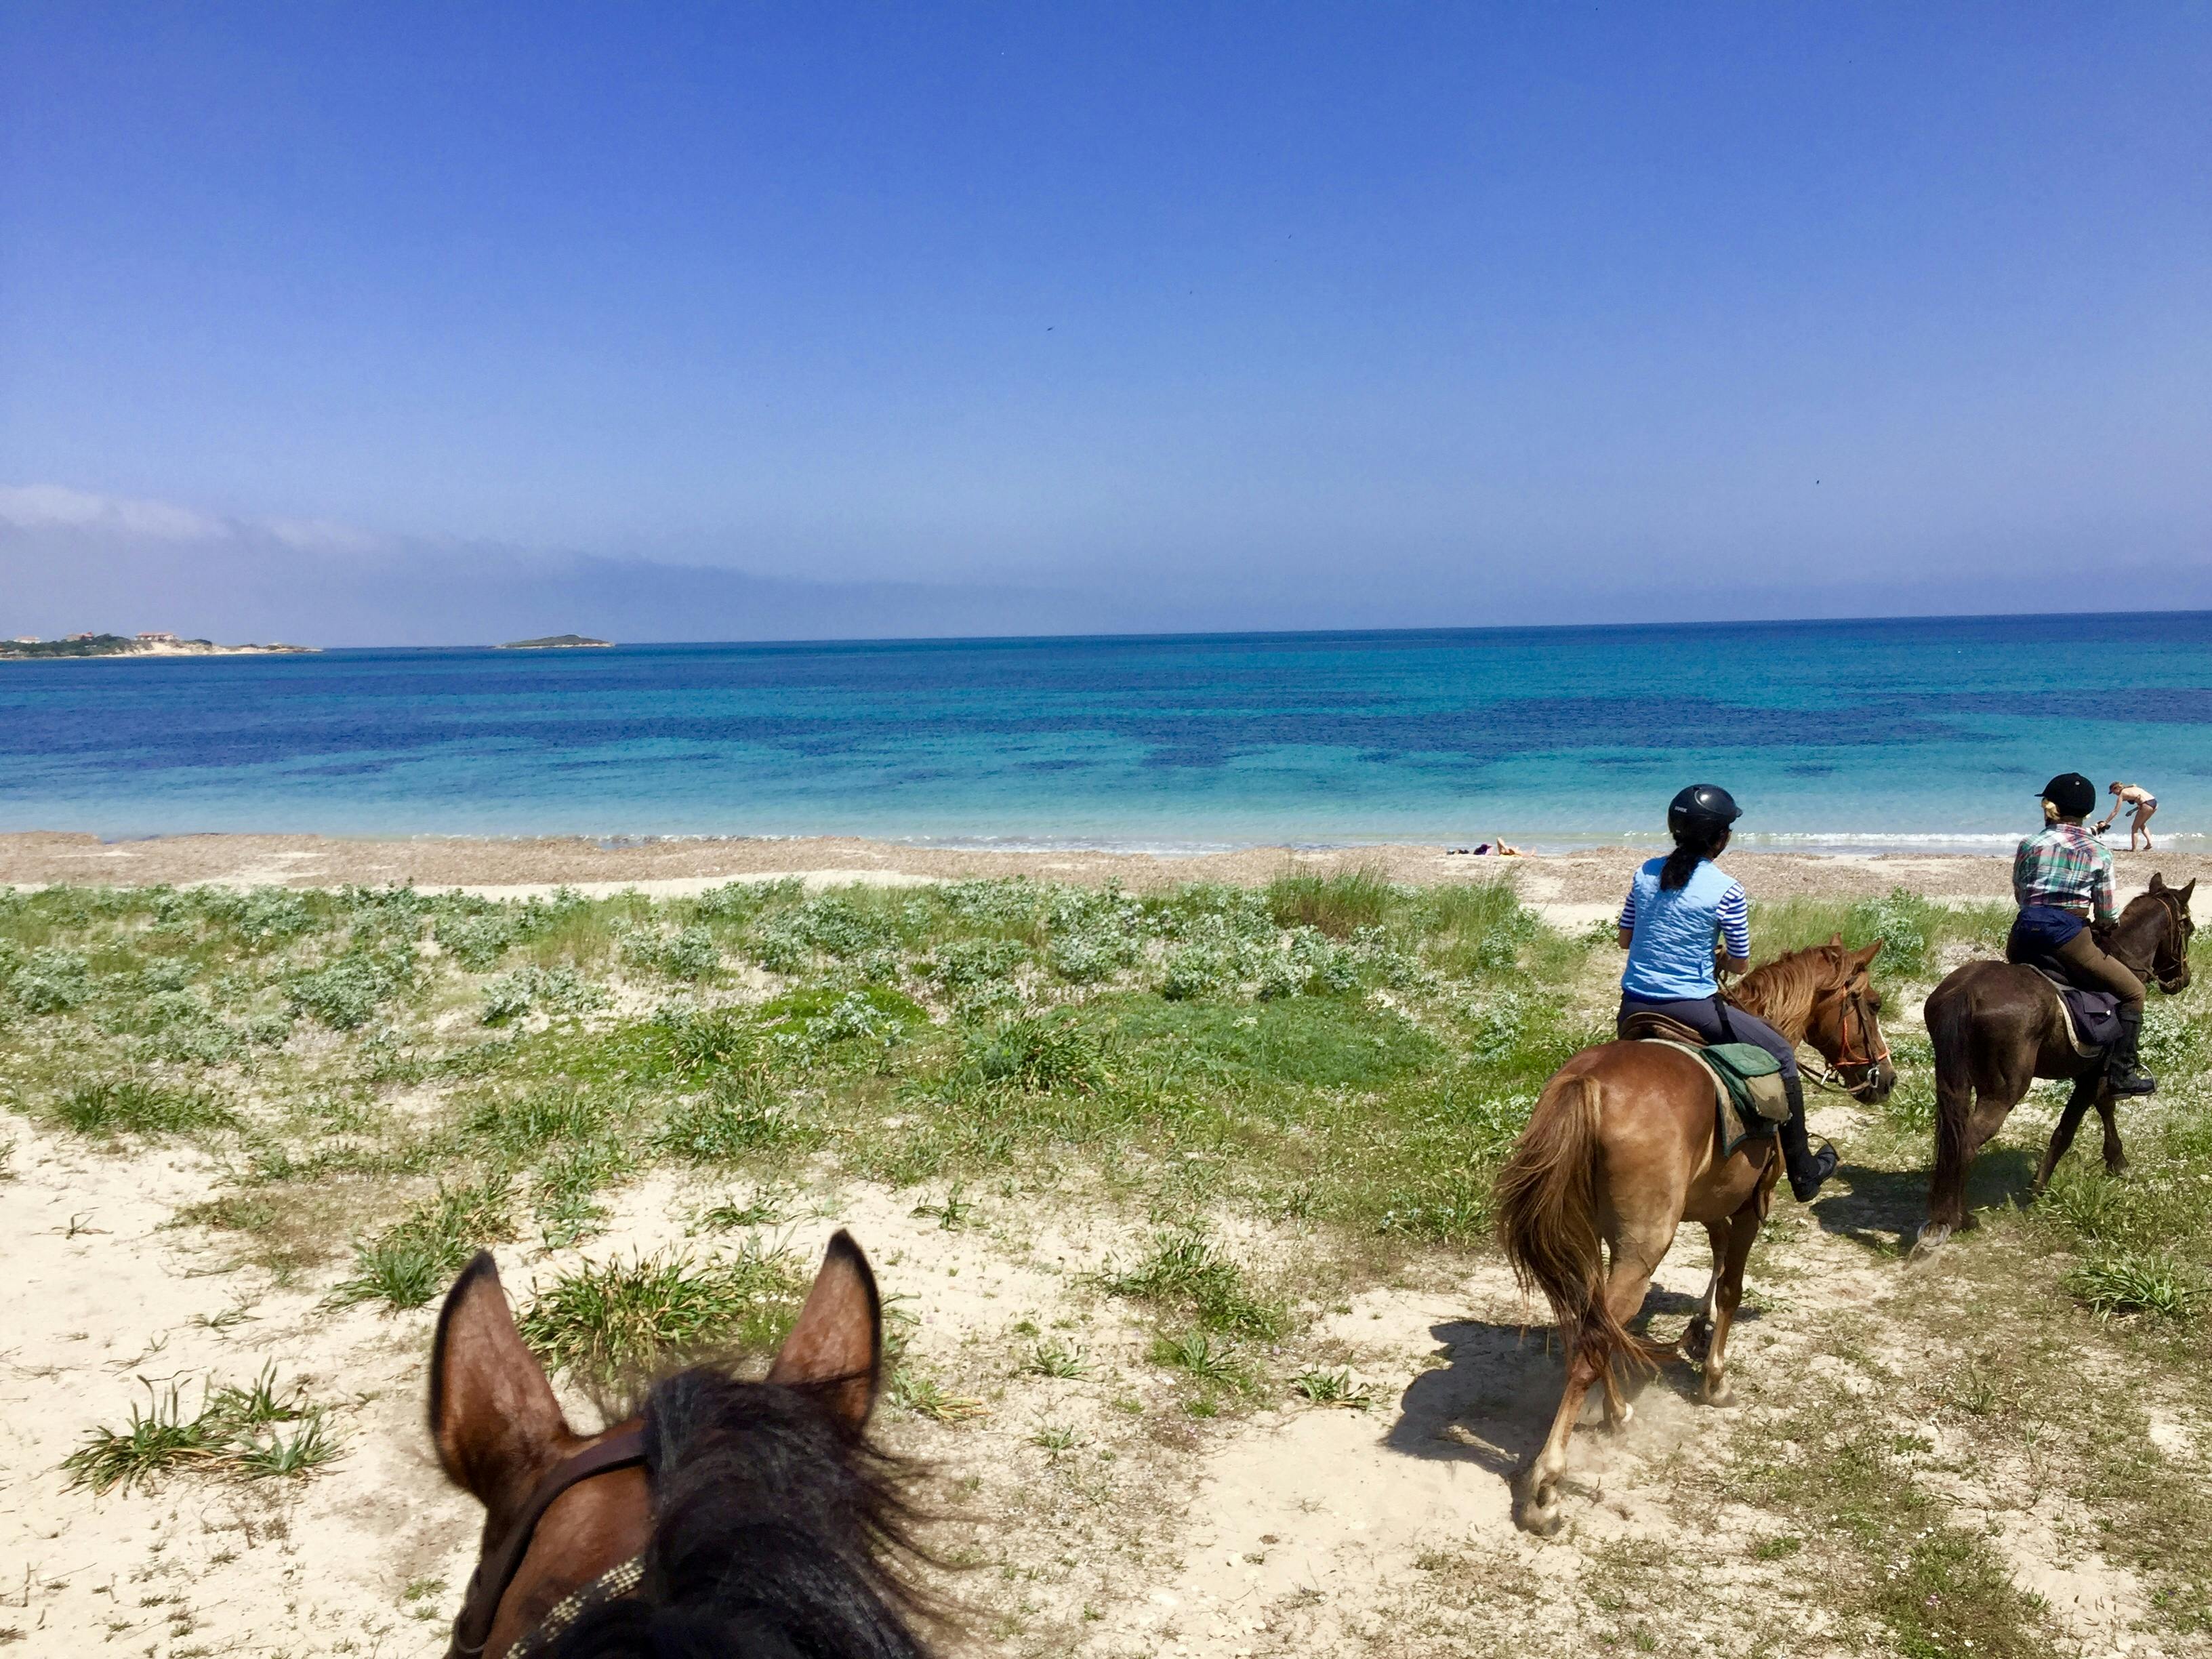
<point x="618" y="1321"/>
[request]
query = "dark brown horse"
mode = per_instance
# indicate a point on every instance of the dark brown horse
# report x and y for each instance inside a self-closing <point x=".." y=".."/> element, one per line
<point x="1996" y="1026"/>
<point x="1622" y="1149"/>
<point x="730" y="1517"/>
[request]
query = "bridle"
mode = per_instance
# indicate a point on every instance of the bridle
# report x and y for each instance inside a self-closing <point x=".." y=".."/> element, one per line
<point x="495" y="1573"/>
<point x="1873" y="1049"/>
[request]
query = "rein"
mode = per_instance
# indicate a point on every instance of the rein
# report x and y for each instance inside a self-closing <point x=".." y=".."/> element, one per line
<point x="495" y="1573"/>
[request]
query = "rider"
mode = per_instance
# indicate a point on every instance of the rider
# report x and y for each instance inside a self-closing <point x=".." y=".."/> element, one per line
<point x="1677" y="907"/>
<point x="2062" y="880"/>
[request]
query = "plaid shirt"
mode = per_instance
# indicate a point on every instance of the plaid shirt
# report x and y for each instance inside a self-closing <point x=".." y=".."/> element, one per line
<point x="2067" y="867"/>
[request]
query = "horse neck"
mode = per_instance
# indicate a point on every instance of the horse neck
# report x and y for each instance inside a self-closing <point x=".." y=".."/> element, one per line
<point x="2135" y="938"/>
<point x="1781" y="994"/>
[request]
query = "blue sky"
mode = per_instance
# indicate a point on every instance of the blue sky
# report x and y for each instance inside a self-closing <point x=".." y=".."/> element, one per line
<point x="732" y="322"/>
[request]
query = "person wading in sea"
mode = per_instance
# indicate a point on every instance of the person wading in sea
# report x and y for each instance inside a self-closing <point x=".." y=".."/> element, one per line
<point x="2126" y="795"/>
<point x="1678" y="906"/>
<point x="2062" y="880"/>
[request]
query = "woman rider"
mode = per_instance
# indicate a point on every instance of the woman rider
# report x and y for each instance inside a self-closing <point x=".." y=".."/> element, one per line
<point x="2062" y="880"/>
<point x="1677" y="907"/>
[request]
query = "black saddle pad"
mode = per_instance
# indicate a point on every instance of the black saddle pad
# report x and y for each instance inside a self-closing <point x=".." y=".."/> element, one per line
<point x="2095" y="1014"/>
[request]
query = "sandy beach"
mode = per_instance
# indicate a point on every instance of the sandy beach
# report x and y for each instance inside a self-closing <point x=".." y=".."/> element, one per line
<point x="679" y="867"/>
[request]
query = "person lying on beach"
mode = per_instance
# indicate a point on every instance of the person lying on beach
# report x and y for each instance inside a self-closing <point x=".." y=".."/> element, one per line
<point x="2126" y="795"/>
<point x="1678" y="906"/>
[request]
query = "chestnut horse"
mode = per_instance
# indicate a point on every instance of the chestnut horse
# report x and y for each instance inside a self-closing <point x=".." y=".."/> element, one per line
<point x="1622" y="1149"/>
<point x="1996" y="1026"/>
<point x="737" y="1518"/>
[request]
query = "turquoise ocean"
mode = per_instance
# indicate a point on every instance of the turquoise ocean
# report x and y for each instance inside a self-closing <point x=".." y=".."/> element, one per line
<point x="1836" y="737"/>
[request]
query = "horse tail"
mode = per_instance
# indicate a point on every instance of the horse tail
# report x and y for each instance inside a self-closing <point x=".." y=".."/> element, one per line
<point x="1547" y="1221"/>
<point x="1950" y="1022"/>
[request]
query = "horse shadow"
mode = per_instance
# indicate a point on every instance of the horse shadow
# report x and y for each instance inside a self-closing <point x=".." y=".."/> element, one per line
<point x="1492" y="1402"/>
<point x="1882" y="1209"/>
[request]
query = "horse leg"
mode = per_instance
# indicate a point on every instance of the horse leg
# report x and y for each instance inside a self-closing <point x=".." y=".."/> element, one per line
<point x="1697" y="1336"/>
<point x="2085" y="1089"/>
<point x="1743" y="1233"/>
<point x="1536" y="1489"/>
<point x="1625" y="1288"/>
<point x="2116" y="1158"/>
<point x="1958" y="1141"/>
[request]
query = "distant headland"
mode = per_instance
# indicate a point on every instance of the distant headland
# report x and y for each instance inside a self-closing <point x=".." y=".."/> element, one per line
<point x="28" y="647"/>
<point x="558" y="642"/>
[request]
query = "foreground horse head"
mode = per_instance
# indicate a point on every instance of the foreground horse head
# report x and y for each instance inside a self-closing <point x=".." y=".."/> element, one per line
<point x="1826" y="995"/>
<point x="1621" y="1149"/>
<point x="1995" y="1027"/>
<point x="733" y="1517"/>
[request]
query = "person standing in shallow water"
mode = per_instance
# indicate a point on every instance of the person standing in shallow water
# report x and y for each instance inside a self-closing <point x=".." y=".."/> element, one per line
<point x="2126" y="795"/>
<point x="1678" y="909"/>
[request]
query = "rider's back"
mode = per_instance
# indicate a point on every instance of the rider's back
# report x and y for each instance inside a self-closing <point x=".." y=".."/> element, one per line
<point x="1670" y="952"/>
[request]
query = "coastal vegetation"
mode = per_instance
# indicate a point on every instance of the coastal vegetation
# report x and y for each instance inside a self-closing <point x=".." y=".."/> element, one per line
<point x="555" y="642"/>
<point x="1281" y="1100"/>
<point x="121" y="645"/>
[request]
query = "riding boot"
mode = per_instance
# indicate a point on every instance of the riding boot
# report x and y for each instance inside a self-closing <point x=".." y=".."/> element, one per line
<point x="2123" y="1072"/>
<point x="1808" y="1168"/>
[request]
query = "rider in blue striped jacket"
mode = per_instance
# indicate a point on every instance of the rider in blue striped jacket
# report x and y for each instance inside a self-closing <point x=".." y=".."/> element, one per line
<point x="1679" y="907"/>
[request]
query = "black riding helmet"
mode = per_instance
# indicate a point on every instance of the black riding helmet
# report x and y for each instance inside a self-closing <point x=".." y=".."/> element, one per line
<point x="2073" y="795"/>
<point x="1701" y="806"/>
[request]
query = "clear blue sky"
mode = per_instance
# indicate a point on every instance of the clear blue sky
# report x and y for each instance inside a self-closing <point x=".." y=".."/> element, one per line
<point x="1056" y="317"/>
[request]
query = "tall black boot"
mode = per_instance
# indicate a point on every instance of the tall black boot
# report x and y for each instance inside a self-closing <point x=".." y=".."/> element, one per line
<point x="2122" y="1070"/>
<point x="1808" y="1168"/>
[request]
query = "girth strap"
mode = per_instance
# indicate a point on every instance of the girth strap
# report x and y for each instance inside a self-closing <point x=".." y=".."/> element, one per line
<point x="495" y="1571"/>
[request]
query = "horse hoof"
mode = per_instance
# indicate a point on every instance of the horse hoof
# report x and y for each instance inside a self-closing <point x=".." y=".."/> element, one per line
<point x="1615" y="1422"/>
<point x="1719" y="1391"/>
<point x="1933" y="1237"/>
<point x="1697" y="1339"/>
<point x="1543" y="1520"/>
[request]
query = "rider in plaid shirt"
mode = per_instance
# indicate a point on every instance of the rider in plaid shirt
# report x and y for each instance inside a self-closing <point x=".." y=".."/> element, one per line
<point x="2062" y="879"/>
<point x="2065" y="867"/>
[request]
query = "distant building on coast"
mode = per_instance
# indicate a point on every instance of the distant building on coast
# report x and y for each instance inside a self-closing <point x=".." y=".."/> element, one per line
<point x="157" y="639"/>
<point x="26" y="639"/>
<point x="84" y="636"/>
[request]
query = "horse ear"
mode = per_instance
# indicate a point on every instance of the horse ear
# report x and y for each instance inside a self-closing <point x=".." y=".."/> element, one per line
<point x="837" y="1345"/>
<point x="2183" y="893"/>
<point x="2158" y="882"/>
<point x="1865" y="957"/>
<point x="1836" y="942"/>
<point x="493" y="1416"/>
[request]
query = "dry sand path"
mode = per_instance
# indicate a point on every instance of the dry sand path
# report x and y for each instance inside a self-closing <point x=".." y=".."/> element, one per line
<point x="674" y="867"/>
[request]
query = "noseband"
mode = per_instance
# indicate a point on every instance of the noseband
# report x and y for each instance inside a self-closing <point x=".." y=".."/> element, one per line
<point x="495" y="1571"/>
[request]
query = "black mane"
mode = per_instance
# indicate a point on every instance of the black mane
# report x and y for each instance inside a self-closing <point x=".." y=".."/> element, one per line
<point x="778" y="1533"/>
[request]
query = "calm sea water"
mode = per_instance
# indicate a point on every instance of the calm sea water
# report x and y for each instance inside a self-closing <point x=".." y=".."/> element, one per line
<point x="1834" y="736"/>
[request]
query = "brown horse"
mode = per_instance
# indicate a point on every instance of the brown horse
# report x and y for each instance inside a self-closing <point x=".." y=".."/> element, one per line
<point x="1622" y="1149"/>
<point x="1995" y="1027"/>
<point x="731" y="1518"/>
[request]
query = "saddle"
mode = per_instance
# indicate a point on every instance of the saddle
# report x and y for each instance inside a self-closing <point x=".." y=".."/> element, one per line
<point x="2093" y="1018"/>
<point x="1748" y="1096"/>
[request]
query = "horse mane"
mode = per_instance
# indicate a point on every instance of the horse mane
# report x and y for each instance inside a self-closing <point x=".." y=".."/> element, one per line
<point x="1782" y="992"/>
<point x="779" y="1531"/>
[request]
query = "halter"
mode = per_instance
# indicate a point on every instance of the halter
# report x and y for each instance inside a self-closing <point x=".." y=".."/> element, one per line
<point x="495" y="1573"/>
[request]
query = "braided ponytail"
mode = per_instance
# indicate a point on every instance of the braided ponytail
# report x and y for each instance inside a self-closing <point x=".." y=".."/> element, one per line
<point x="1693" y="845"/>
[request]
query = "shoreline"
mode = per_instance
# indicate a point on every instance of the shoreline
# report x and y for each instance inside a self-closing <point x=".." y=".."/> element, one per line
<point x="511" y="867"/>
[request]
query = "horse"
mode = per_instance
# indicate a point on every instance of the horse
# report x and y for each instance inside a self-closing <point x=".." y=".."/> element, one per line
<point x="1997" y="1026"/>
<point x="728" y="1517"/>
<point x="1622" y="1148"/>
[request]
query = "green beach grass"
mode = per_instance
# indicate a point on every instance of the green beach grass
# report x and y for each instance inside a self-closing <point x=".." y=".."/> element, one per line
<point x="391" y="1079"/>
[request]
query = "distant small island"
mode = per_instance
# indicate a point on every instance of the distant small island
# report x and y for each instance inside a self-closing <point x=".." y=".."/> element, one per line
<point x="558" y="642"/>
<point x="25" y="648"/>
